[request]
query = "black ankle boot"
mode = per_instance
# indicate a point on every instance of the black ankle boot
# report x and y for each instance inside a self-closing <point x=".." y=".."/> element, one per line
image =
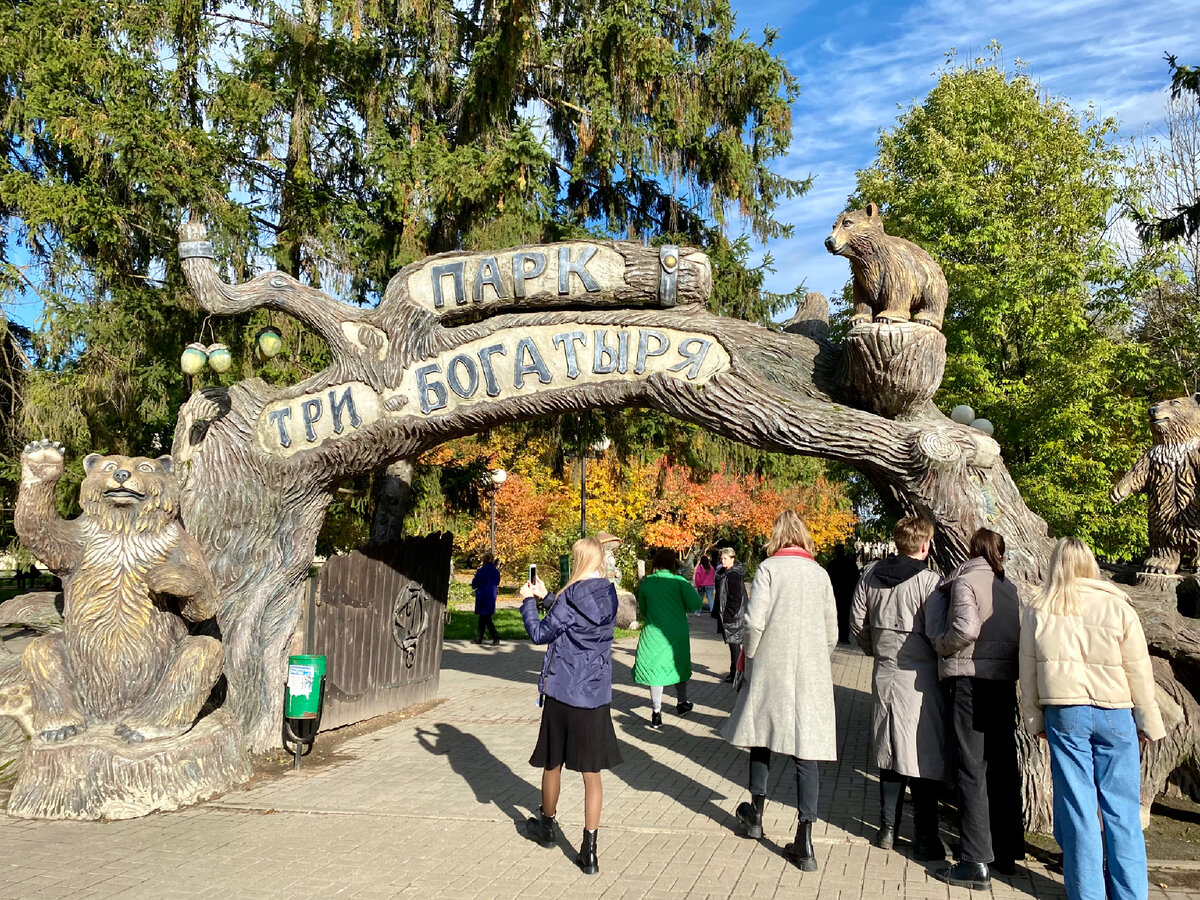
<point x="751" y="815"/>
<point x="587" y="854"/>
<point x="971" y="875"/>
<point x="542" y="828"/>
<point x="891" y="811"/>
<point x="801" y="851"/>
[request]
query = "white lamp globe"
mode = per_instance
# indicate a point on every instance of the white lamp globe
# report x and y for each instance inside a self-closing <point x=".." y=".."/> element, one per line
<point x="983" y="425"/>
<point x="498" y="477"/>
<point x="962" y="414"/>
<point x="602" y="444"/>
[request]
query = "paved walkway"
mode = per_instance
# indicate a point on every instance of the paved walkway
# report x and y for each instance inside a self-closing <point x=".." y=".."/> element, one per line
<point x="434" y="807"/>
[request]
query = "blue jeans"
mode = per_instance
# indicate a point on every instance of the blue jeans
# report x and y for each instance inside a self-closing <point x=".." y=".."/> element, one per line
<point x="1094" y="761"/>
<point x="709" y="591"/>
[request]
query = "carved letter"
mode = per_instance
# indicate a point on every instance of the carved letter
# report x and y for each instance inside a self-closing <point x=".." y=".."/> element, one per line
<point x="336" y="407"/>
<point x="536" y="363"/>
<point x="277" y="416"/>
<point x="489" y="265"/>
<point x="310" y="411"/>
<point x="472" y="376"/>
<point x="644" y="351"/>
<point x="426" y="387"/>
<point x="485" y="360"/>
<point x="622" y="352"/>
<point x="694" y="358"/>
<point x="567" y="340"/>
<point x="604" y="359"/>
<point x="521" y="275"/>
<point x="579" y="267"/>
<point x="454" y="269"/>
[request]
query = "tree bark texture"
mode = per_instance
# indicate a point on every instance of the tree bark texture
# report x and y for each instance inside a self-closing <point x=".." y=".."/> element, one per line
<point x="257" y="512"/>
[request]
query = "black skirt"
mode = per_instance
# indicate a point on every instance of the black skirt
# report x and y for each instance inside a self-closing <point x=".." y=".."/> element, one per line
<point x="581" y="739"/>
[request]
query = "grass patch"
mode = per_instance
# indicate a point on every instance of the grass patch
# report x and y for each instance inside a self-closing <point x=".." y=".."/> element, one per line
<point x="464" y="623"/>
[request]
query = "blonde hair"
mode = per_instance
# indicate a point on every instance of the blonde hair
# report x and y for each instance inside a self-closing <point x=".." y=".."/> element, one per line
<point x="789" y="531"/>
<point x="910" y="533"/>
<point x="1070" y="561"/>
<point x="587" y="558"/>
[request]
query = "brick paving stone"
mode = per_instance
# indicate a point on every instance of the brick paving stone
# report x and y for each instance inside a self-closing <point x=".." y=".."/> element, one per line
<point x="434" y="807"/>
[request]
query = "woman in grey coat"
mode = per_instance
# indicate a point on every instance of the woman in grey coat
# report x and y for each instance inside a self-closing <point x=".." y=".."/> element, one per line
<point x="888" y="621"/>
<point x="785" y="704"/>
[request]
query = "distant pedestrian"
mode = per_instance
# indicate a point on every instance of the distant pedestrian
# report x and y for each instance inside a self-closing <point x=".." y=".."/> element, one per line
<point x="575" y="691"/>
<point x="487" y="585"/>
<point x="843" y="575"/>
<point x="785" y="704"/>
<point x="888" y="621"/>
<point x="1087" y="687"/>
<point x="705" y="580"/>
<point x="974" y="622"/>
<point x="664" y="653"/>
<point x="731" y="605"/>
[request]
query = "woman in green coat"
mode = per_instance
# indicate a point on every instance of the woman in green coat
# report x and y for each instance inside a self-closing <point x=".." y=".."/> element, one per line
<point x="664" y="653"/>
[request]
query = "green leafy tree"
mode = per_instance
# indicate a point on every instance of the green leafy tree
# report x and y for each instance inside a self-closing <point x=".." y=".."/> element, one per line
<point x="1011" y="191"/>
<point x="1184" y="220"/>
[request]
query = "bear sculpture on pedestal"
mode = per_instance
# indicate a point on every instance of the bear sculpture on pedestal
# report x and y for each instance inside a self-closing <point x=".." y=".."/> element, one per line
<point x="113" y="702"/>
<point x="1167" y="474"/>
<point x="894" y="279"/>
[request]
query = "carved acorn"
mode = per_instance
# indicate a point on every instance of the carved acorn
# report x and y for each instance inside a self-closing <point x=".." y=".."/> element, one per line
<point x="194" y="359"/>
<point x="269" y="341"/>
<point x="219" y="358"/>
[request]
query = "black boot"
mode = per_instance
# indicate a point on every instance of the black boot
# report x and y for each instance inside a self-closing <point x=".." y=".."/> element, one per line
<point x="927" y="843"/>
<point x="891" y="811"/>
<point x="801" y="851"/>
<point x="587" y="854"/>
<point x="656" y="719"/>
<point x="971" y="875"/>
<point x="751" y="815"/>
<point x="542" y="828"/>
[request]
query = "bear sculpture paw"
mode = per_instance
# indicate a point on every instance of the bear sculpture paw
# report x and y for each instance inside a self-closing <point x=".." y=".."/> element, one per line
<point x="54" y="735"/>
<point x="42" y="460"/>
<point x="129" y="734"/>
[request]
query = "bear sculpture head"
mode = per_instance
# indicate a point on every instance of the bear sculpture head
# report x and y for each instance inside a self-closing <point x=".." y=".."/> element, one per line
<point x="1175" y="421"/>
<point x="854" y="231"/>
<point x="129" y="493"/>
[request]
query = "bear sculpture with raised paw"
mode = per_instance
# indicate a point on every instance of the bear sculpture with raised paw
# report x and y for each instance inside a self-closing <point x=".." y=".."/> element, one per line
<point x="131" y="577"/>
<point x="894" y="279"/>
<point x="1167" y="474"/>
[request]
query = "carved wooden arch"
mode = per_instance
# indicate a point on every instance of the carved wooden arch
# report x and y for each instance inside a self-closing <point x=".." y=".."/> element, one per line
<point x="256" y="501"/>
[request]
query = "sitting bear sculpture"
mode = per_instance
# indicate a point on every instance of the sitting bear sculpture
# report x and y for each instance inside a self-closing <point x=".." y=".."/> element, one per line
<point x="894" y="279"/>
<point x="131" y="577"/>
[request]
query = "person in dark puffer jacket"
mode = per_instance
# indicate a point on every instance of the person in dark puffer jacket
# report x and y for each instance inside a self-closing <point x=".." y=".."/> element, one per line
<point x="575" y="690"/>
<point x="974" y="624"/>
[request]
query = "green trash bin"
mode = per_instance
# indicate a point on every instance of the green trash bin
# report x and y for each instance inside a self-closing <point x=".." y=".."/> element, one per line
<point x="564" y="569"/>
<point x="305" y="687"/>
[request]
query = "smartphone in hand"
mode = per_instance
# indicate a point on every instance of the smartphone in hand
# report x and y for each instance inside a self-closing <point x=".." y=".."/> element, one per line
<point x="533" y="573"/>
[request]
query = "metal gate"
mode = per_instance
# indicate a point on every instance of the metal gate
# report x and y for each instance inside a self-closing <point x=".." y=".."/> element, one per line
<point x="377" y="617"/>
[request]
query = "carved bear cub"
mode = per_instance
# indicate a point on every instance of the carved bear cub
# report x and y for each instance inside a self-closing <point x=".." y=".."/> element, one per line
<point x="131" y="575"/>
<point x="1167" y="473"/>
<point x="894" y="279"/>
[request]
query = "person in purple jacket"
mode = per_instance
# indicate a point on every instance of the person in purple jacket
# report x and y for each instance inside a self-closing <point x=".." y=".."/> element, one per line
<point x="575" y="691"/>
<point x="487" y="584"/>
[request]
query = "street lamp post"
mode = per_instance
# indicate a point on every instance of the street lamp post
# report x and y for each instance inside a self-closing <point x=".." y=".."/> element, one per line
<point x="497" y="479"/>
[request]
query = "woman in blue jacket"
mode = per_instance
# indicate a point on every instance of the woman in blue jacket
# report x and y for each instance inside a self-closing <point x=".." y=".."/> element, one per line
<point x="575" y="690"/>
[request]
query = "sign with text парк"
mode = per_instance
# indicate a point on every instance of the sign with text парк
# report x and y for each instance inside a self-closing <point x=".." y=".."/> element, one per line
<point x="496" y="367"/>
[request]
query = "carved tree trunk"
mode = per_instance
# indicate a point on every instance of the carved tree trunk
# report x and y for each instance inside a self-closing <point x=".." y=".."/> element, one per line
<point x="259" y="464"/>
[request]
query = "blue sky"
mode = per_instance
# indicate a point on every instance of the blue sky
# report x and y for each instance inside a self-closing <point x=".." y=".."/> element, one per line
<point x="858" y="63"/>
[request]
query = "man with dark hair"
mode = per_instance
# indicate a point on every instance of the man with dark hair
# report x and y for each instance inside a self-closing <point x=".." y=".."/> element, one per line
<point x="888" y="621"/>
<point x="487" y="584"/>
<point x="843" y="575"/>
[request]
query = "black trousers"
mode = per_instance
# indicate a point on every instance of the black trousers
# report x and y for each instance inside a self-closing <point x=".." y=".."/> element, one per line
<point x="808" y="781"/>
<point x="486" y="622"/>
<point x="983" y="713"/>
<point x="925" y="803"/>
<point x="734" y="650"/>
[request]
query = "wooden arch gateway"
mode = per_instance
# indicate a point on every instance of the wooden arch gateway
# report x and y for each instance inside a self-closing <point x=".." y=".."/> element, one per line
<point x="462" y="342"/>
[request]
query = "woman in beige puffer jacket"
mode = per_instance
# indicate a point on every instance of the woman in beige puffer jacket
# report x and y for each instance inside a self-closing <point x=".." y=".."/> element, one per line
<point x="1088" y="689"/>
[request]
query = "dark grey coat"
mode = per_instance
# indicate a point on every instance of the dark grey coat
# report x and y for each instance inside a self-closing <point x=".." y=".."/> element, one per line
<point x="888" y="621"/>
<point x="974" y="624"/>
